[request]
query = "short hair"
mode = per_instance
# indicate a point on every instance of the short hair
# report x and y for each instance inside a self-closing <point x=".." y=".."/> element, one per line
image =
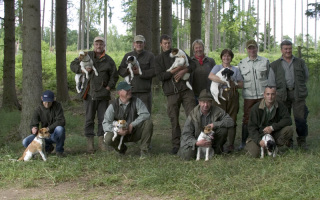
<point x="271" y="87"/>
<point x="165" y="37"/>
<point x="285" y="42"/>
<point x="227" y="51"/>
<point x="197" y="41"/>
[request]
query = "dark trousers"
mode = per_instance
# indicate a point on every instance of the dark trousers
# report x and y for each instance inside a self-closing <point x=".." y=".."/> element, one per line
<point x="146" y="98"/>
<point x="186" y="98"/>
<point x="92" y="108"/>
<point x="247" y="105"/>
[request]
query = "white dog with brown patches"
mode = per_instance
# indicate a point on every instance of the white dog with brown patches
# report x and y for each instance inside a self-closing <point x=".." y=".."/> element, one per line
<point x="117" y="125"/>
<point x="206" y="134"/>
<point x="132" y="62"/>
<point x="36" y="146"/>
<point x="180" y="60"/>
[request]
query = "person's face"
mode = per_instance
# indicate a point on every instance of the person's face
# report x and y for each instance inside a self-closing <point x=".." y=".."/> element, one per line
<point x="198" y="50"/>
<point x="252" y="51"/>
<point x="47" y="104"/>
<point x="98" y="46"/>
<point x="165" y="45"/>
<point x="226" y="59"/>
<point x="286" y="51"/>
<point x="205" y="106"/>
<point x="138" y="46"/>
<point x="125" y="94"/>
<point x="269" y="96"/>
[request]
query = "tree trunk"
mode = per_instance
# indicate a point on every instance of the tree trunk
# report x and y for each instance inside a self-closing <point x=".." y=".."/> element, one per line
<point x="61" y="50"/>
<point x="155" y="27"/>
<point x="51" y="26"/>
<point x="80" y="24"/>
<point x="265" y="26"/>
<point x="105" y="22"/>
<point x="302" y="22"/>
<point x="166" y="17"/>
<point x="20" y="23"/>
<point x="31" y="64"/>
<point x="214" y="27"/>
<point x="307" y="27"/>
<point x="269" y="33"/>
<point x="258" y="33"/>
<point x="281" y="20"/>
<point x="186" y="36"/>
<point x="195" y="21"/>
<point x="239" y="31"/>
<point x="88" y="23"/>
<point x="274" y="23"/>
<point x="10" y="100"/>
<point x="144" y="20"/>
<point x="44" y="8"/>
<point x="224" y="33"/>
<point x="207" y="33"/>
<point x="295" y="21"/>
<point x="315" y="32"/>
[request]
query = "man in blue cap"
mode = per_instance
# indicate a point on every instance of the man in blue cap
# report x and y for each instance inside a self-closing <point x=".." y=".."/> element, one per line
<point x="134" y="111"/>
<point x="50" y="114"/>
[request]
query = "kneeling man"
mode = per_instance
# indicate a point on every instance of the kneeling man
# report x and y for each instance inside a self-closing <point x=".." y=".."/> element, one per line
<point x="202" y="115"/>
<point x="133" y="110"/>
<point x="268" y="117"/>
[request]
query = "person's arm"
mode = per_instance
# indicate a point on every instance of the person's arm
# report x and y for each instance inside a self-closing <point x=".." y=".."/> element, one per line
<point x="271" y="78"/>
<point x="285" y="118"/>
<point x="75" y="66"/>
<point x="150" y="72"/>
<point x="215" y="78"/>
<point x="188" y="134"/>
<point x="161" y="70"/>
<point x="223" y="120"/>
<point x="123" y="72"/>
<point x="107" y="123"/>
<point x="143" y="113"/>
<point x="59" y="119"/>
<point x="113" y="74"/>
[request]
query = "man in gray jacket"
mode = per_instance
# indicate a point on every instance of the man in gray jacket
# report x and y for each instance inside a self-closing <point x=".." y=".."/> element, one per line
<point x="254" y="70"/>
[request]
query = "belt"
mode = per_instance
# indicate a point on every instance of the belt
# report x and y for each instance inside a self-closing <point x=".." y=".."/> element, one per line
<point x="290" y="89"/>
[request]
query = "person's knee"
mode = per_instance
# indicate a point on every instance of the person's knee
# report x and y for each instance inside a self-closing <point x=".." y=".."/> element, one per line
<point x="252" y="149"/>
<point x="59" y="130"/>
<point x="186" y="154"/>
<point x="25" y="142"/>
<point x="108" y="138"/>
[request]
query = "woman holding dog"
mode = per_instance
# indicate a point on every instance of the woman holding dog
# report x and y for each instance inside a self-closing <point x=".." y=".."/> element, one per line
<point x="231" y="104"/>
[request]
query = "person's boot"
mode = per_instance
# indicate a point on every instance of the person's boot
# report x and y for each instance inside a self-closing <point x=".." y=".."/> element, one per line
<point x="90" y="145"/>
<point x="244" y="137"/>
<point x="302" y="143"/>
<point x="102" y="145"/>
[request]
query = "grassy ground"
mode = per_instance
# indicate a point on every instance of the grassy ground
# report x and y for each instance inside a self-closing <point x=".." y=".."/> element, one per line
<point x="106" y="175"/>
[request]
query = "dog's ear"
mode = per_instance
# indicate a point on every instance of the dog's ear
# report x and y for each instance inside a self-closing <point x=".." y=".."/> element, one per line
<point x="174" y="51"/>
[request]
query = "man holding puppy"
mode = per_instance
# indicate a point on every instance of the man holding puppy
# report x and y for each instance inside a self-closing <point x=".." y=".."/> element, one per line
<point x="268" y="116"/>
<point x="50" y="115"/>
<point x="203" y="115"/>
<point x="141" y="84"/>
<point x="96" y="93"/>
<point x="133" y="110"/>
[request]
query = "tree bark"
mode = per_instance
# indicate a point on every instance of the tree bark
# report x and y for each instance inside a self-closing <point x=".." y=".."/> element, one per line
<point x="51" y="26"/>
<point x="274" y="24"/>
<point x="265" y="26"/>
<point x="207" y="33"/>
<point x="295" y="21"/>
<point x="144" y="20"/>
<point x="155" y="28"/>
<point x="10" y="100"/>
<point x="105" y="23"/>
<point x="31" y="64"/>
<point x="178" y="25"/>
<point x="166" y="17"/>
<point x="88" y="23"/>
<point x="258" y="33"/>
<point x="44" y="8"/>
<point x="80" y="25"/>
<point x="195" y="21"/>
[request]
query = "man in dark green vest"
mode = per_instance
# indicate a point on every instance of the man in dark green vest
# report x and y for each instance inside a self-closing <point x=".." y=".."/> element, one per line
<point x="289" y="74"/>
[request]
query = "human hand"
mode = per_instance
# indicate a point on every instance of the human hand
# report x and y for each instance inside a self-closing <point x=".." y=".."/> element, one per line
<point x="130" y="128"/>
<point x="180" y="74"/>
<point x="123" y="131"/>
<point x="34" y="130"/>
<point x="89" y="69"/>
<point x="267" y="130"/>
<point x="135" y="70"/>
<point x="203" y="143"/>
<point x="262" y="144"/>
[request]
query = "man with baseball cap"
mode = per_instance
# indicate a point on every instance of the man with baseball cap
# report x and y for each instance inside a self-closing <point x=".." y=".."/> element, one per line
<point x="254" y="70"/>
<point x="133" y="110"/>
<point x="204" y="114"/>
<point x="96" y="93"/>
<point x="141" y="83"/>
<point x="50" y="115"/>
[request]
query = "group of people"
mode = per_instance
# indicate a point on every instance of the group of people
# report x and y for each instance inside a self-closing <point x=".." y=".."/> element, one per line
<point x="270" y="92"/>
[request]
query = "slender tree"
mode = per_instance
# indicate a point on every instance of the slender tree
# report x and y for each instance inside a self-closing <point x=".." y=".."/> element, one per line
<point x="31" y="63"/>
<point x="281" y="20"/>
<point x="10" y="100"/>
<point x="51" y="25"/>
<point x="195" y="21"/>
<point x="258" y="22"/>
<point x="269" y="44"/>
<point x="80" y="25"/>
<point x="295" y="21"/>
<point x="105" y="22"/>
<point x="43" y="12"/>
<point x="207" y="33"/>
<point x="88" y="24"/>
<point x="155" y="27"/>
<point x="214" y="27"/>
<point x="144" y="20"/>
<point x="178" y="25"/>
<point x="166" y="17"/>
<point x="302" y="21"/>
<point x="274" y="23"/>
<point x="265" y="26"/>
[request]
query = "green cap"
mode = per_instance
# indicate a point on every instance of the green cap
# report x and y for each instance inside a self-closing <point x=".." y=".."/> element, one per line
<point x="251" y="43"/>
<point x="123" y="86"/>
<point x="205" y="96"/>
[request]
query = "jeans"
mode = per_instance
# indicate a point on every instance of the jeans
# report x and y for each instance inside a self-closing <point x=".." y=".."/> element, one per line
<point x="58" y="136"/>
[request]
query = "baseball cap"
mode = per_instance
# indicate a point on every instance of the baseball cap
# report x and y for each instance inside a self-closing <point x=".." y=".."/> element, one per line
<point x="99" y="38"/>
<point x="139" y="38"/>
<point x="123" y="86"/>
<point x="251" y="43"/>
<point x="47" y="96"/>
<point x="205" y="96"/>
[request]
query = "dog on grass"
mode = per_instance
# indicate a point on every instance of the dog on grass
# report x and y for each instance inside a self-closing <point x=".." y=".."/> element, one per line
<point x="180" y="60"/>
<point x="132" y="62"/>
<point x="270" y="146"/>
<point x="117" y="125"/>
<point x="216" y="88"/>
<point x="206" y="134"/>
<point x="36" y="146"/>
<point x="85" y="63"/>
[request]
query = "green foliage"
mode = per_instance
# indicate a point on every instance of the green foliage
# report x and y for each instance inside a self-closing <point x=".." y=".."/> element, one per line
<point x="261" y="40"/>
<point x="314" y="10"/>
<point x="130" y="8"/>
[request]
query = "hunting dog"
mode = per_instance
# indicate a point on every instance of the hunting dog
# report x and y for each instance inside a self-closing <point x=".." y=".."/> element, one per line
<point x="270" y="146"/>
<point x="117" y="125"/>
<point x="180" y="60"/>
<point x="85" y="63"/>
<point x="206" y="134"/>
<point x="36" y="146"/>
<point x="216" y="88"/>
<point x="132" y="62"/>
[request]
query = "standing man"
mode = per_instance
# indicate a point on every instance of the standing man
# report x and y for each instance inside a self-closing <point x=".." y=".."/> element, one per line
<point x="203" y="115"/>
<point x="96" y="94"/>
<point x="290" y="75"/>
<point x="174" y="88"/>
<point x="268" y="116"/>
<point x="254" y="70"/>
<point x="141" y="84"/>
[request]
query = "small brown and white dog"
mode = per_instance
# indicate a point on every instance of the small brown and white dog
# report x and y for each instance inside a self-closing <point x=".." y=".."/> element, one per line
<point x="206" y="134"/>
<point x="270" y="146"/>
<point x="85" y="63"/>
<point x="132" y="62"/>
<point x="36" y="146"/>
<point x="180" y="60"/>
<point x="216" y="89"/>
<point x="117" y="125"/>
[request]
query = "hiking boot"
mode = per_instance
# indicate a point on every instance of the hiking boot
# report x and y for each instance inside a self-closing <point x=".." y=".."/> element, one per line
<point x="174" y="151"/>
<point x="90" y="145"/>
<point x="49" y="149"/>
<point x="242" y="146"/>
<point x="229" y="149"/>
<point x="123" y="150"/>
<point x="302" y="143"/>
<point x="144" y="154"/>
<point x="60" y="154"/>
<point x="102" y="145"/>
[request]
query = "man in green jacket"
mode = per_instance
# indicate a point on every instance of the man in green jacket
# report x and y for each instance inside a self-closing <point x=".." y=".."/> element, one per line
<point x="96" y="94"/>
<point x="268" y="116"/>
<point x="202" y="115"/>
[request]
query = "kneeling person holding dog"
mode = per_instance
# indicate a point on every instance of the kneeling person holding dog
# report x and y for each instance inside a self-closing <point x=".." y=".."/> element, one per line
<point x="268" y="117"/>
<point x="50" y="115"/>
<point x="202" y="115"/>
<point x="134" y="111"/>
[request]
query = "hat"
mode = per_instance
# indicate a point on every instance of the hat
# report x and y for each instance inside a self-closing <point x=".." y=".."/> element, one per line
<point x="139" y="38"/>
<point x="205" y="96"/>
<point x="99" y="38"/>
<point x="251" y="43"/>
<point x="123" y="86"/>
<point x="47" y="96"/>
